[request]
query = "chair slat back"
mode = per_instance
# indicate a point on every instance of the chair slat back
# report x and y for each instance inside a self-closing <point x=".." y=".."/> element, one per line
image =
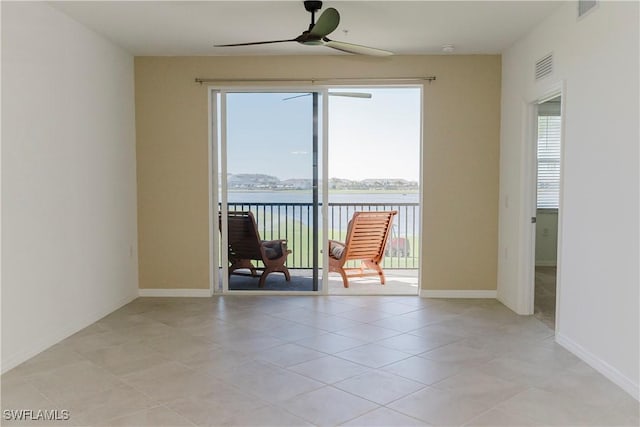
<point x="244" y="238"/>
<point x="368" y="234"/>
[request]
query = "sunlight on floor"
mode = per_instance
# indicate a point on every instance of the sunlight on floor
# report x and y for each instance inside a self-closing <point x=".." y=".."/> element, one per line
<point x="397" y="283"/>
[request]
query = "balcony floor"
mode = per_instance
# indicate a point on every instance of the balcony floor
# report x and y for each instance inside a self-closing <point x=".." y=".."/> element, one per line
<point x="399" y="282"/>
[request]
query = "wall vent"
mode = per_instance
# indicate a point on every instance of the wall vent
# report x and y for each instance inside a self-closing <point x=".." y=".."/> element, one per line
<point x="585" y="6"/>
<point x="544" y="67"/>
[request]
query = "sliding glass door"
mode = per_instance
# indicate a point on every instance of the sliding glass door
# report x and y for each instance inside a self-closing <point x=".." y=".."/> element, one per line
<point x="374" y="152"/>
<point x="276" y="199"/>
<point x="269" y="193"/>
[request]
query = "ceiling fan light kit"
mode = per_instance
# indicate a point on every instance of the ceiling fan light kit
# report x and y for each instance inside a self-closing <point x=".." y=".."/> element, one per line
<point x="318" y="31"/>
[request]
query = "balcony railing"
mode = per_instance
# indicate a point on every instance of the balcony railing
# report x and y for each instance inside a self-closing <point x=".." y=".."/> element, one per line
<point x="294" y="222"/>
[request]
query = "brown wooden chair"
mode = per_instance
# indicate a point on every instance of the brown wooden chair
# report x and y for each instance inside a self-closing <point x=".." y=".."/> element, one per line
<point x="367" y="236"/>
<point x="245" y="245"/>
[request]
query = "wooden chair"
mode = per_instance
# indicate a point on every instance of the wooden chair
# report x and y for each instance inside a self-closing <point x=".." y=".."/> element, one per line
<point x="245" y="245"/>
<point x="367" y="236"/>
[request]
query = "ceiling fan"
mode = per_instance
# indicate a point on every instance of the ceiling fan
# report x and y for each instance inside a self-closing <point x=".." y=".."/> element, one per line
<point x="317" y="33"/>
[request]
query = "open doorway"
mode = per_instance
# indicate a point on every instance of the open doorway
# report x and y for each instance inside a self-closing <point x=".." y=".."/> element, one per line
<point x="548" y="152"/>
<point x="374" y="152"/>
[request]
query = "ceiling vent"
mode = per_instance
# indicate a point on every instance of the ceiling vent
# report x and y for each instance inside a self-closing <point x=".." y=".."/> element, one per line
<point x="584" y="6"/>
<point x="544" y="67"/>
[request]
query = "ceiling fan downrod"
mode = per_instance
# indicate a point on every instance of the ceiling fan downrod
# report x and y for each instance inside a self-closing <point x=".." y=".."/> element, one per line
<point x="312" y="6"/>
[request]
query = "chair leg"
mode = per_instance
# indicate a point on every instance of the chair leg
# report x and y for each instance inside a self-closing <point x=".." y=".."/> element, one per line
<point x="345" y="279"/>
<point x="382" y="278"/>
<point x="287" y="276"/>
<point x="263" y="277"/>
<point x="242" y="264"/>
<point x="269" y="269"/>
<point x="378" y="269"/>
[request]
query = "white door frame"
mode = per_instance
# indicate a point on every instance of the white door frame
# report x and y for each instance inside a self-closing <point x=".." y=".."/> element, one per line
<point x="216" y="238"/>
<point x="219" y="143"/>
<point x="529" y="200"/>
<point x="212" y="147"/>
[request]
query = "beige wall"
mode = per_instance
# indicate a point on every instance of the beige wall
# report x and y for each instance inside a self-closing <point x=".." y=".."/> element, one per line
<point x="460" y="165"/>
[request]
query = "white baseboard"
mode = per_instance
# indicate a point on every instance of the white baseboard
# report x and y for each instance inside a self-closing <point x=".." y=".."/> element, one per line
<point x="600" y="365"/>
<point x="51" y="337"/>
<point x="201" y="293"/>
<point x="430" y="293"/>
<point x="546" y="263"/>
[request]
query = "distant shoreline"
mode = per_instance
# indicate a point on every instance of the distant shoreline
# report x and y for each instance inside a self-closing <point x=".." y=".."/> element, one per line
<point x="272" y="190"/>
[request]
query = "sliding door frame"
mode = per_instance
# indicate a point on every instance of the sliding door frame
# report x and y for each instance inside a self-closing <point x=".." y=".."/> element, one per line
<point x="218" y="167"/>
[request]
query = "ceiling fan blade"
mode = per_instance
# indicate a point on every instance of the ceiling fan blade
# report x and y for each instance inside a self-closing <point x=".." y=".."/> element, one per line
<point x="351" y="94"/>
<point x="346" y="94"/>
<point x="327" y="22"/>
<point x="356" y="48"/>
<point x="296" y="96"/>
<point x="253" y="43"/>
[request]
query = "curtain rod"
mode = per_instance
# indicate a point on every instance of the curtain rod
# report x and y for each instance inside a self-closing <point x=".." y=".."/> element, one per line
<point x="315" y="80"/>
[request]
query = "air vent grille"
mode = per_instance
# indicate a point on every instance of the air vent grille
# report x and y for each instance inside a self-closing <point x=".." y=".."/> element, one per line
<point x="544" y="67"/>
<point x="585" y="6"/>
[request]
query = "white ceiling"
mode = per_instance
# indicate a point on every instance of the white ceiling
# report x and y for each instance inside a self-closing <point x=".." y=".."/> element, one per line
<point x="177" y="28"/>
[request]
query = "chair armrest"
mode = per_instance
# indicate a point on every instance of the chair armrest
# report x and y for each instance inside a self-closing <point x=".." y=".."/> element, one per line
<point x="283" y="245"/>
<point x="271" y="245"/>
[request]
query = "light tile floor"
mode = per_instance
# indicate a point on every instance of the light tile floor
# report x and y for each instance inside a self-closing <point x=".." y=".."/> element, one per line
<point x="296" y="361"/>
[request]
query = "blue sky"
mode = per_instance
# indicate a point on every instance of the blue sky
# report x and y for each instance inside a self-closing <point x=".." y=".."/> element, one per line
<point x="368" y="138"/>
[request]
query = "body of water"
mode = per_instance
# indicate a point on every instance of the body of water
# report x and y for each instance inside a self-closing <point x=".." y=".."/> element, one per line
<point x="388" y="198"/>
<point x="405" y="223"/>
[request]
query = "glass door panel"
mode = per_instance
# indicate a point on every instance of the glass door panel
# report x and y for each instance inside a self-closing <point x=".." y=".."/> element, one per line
<point x="269" y="208"/>
<point x="381" y="128"/>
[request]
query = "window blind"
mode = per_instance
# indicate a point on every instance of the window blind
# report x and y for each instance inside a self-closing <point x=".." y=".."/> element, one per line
<point x="548" y="162"/>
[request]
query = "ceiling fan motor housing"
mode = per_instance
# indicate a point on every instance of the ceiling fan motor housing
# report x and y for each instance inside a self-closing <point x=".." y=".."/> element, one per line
<point x="312" y="5"/>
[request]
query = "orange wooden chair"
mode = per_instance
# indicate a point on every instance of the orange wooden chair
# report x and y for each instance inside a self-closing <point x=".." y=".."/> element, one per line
<point x="245" y="245"/>
<point x="367" y="236"/>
